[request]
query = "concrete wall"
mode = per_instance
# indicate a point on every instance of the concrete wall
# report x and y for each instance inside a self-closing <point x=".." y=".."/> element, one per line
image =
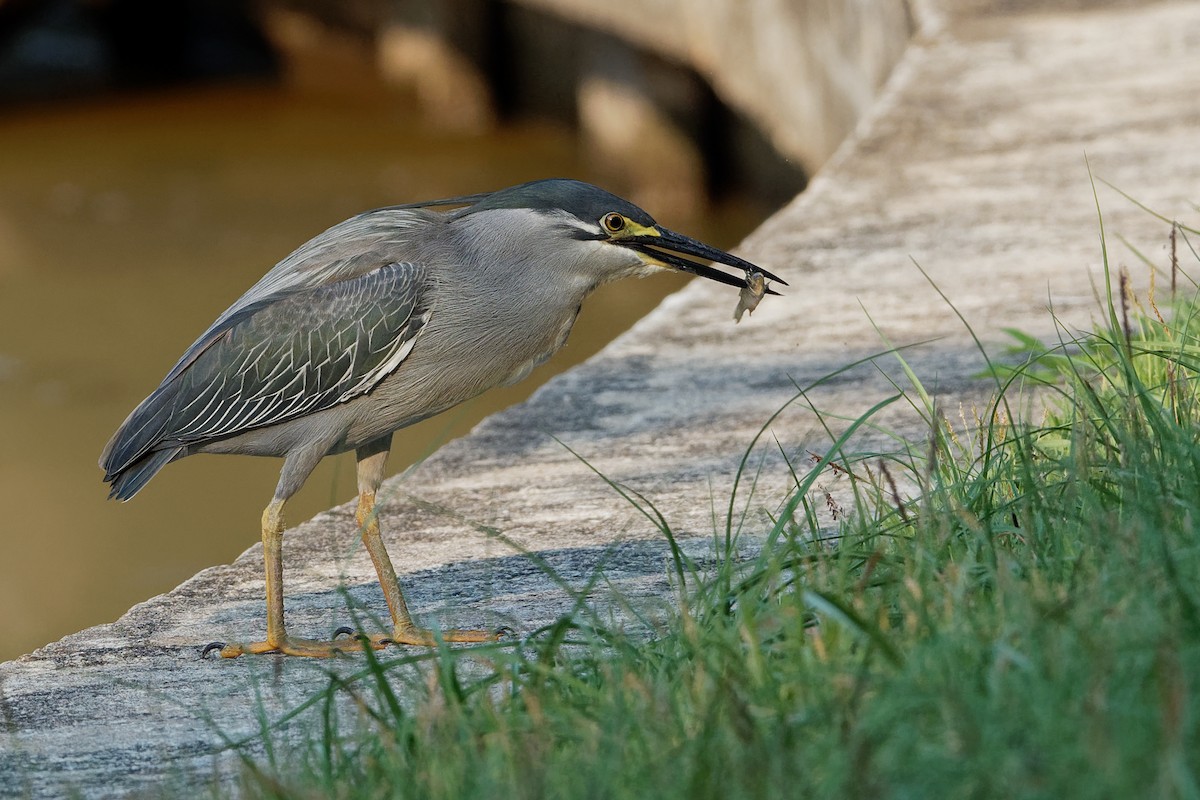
<point x="805" y="71"/>
<point x="646" y="83"/>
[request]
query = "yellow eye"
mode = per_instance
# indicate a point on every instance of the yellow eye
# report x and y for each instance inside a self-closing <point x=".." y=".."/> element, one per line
<point x="613" y="222"/>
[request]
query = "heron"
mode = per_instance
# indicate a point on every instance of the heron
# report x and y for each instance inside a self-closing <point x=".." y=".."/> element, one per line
<point x="381" y="321"/>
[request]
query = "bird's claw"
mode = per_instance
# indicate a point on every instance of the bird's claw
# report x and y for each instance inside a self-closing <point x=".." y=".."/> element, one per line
<point x="208" y="648"/>
<point x="346" y="630"/>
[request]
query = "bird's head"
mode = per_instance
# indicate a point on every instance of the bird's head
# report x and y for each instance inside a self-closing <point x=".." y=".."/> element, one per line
<point x="572" y="221"/>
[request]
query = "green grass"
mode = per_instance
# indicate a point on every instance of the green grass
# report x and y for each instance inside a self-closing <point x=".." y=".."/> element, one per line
<point x="1008" y="611"/>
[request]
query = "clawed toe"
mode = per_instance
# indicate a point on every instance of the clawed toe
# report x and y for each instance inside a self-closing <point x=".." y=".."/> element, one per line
<point x="290" y="646"/>
<point x="358" y="641"/>
<point x="376" y="640"/>
<point x="208" y="648"/>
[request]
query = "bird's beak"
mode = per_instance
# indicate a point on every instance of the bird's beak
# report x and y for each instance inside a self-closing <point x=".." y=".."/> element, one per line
<point x="678" y="251"/>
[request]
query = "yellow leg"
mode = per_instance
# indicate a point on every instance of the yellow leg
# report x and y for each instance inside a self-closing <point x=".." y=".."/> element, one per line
<point x="277" y="640"/>
<point x="404" y="630"/>
<point x="371" y="460"/>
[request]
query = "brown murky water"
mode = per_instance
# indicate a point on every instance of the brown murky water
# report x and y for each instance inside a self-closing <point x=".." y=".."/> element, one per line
<point x="126" y="226"/>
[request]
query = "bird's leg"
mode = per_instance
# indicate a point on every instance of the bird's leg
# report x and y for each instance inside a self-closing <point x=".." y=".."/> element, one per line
<point x="371" y="460"/>
<point x="272" y="540"/>
<point x="277" y="640"/>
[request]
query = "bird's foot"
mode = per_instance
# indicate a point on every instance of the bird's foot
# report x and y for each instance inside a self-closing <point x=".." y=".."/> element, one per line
<point x="310" y="648"/>
<point x="421" y="637"/>
<point x="295" y="647"/>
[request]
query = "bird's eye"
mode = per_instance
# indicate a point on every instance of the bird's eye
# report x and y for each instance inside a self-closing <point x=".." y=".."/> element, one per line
<point x="613" y="222"/>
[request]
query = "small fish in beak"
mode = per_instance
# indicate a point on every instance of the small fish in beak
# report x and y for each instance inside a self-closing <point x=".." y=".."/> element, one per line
<point x="751" y="294"/>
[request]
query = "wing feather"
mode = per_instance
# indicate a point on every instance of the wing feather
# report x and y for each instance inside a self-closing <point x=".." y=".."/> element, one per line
<point x="280" y="358"/>
<point x="350" y="249"/>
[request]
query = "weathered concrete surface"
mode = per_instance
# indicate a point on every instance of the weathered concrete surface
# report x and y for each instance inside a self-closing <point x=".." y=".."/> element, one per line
<point x="804" y="72"/>
<point x="972" y="165"/>
<point x="639" y="80"/>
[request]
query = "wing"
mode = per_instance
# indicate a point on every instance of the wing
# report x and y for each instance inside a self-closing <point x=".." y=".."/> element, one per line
<point x="350" y="249"/>
<point x="353" y="247"/>
<point x="279" y="358"/>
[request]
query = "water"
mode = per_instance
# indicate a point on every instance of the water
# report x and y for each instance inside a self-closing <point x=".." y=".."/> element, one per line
<point x="126" y="226"/>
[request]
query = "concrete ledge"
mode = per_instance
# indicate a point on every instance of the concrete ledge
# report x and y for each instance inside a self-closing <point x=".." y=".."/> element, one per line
<point x="972" y="165"/>
<point x="803" y="72"/>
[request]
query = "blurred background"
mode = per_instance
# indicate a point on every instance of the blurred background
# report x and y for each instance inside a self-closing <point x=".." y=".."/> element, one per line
<point x="156" y="158"/>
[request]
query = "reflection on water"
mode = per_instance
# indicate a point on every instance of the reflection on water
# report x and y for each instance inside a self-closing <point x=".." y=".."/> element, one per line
<point x="125" y="228"/>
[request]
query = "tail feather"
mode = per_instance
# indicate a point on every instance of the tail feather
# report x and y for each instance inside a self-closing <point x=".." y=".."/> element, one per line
<point x="128" y="481"/>
<point x="137" y="451"/>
